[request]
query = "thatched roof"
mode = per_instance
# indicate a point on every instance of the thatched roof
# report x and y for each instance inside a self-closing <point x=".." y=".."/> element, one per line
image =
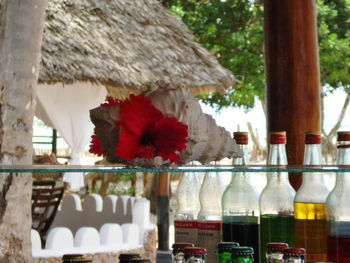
<point x="124" y="44"/>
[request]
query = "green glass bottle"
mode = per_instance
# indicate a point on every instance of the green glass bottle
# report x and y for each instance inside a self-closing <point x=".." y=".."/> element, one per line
<point x="276" y="200"/>
<point x="224" y="251"/>
<point x="242" y="255"/>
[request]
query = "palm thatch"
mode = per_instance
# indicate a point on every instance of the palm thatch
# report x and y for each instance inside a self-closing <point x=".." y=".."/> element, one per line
<point x="124" y="44"/>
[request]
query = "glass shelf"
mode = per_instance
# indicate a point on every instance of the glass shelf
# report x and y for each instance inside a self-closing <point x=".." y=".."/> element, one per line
<point x="181" y="169"/>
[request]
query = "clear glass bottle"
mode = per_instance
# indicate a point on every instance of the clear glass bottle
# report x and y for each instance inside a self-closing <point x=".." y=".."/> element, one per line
<point x="309" y="204"/>
<point x="274" y="252"/>
<point x="178" y="254"/>
<point x="209" y="216"/>
<point x="338" y="206"/>
<point x="242" y="255"/>
<point x="224" y="251"/>
<point x="276" y="200"/>
<point x="195" y="255"/>
<point x="187" y="196"/>
<point x="294" y="255"/>
<point x="240" y="204"/>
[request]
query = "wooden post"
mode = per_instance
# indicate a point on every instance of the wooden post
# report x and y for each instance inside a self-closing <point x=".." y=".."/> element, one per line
<point x="292" y="73"/>
<point x="54" y="141"/>
<point x="162" y="194"/>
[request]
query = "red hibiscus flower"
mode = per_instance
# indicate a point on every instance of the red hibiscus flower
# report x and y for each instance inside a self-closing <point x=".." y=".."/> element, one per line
<point x="146" y="133"/>
<point x="95" y="146"/>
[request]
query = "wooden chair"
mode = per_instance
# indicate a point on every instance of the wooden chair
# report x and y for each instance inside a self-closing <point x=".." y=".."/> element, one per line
<point x="45" y="201"/>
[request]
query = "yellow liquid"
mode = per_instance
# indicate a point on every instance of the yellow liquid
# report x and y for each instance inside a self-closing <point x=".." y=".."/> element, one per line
<point x="311" y="230"/>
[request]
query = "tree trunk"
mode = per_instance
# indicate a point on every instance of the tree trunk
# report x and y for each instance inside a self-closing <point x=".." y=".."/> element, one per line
<point x="292" y="74"/>
<point x="20" y="42"/>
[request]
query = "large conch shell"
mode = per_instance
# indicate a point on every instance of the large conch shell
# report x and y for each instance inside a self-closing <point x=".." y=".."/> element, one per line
<point x="206" y="140"/>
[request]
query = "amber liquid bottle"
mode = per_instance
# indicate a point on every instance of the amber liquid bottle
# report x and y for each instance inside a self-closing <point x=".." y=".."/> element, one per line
<point x="309" y="205"/>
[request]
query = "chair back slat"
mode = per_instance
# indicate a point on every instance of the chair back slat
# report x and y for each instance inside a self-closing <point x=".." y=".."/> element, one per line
<point x="45" y="201"/>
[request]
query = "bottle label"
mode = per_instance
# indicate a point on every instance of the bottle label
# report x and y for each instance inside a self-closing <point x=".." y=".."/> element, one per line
<point x="209" y="235"/>
<point x="274" y="260"/>
<point x="185" y="231"/>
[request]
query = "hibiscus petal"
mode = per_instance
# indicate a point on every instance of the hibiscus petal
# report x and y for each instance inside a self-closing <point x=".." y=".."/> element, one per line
<point x="128" y="145"/>
<point x="138" y="113"/>
<point x="95" y="146"/>
<point x="170" y="136"/>
<point x="147" y="152"/>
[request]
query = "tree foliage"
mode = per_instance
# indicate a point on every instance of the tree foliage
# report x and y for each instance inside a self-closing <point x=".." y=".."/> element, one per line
<point x="233" y="31"/>
<point x="334" y="43"/>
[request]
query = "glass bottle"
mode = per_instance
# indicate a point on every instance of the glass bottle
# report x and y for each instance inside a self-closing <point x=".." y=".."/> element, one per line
<point x="276" y="200"/>
<point x="274" y="252"/>
<point x="195" y="255"/>
<point x="309" y="204"/>
<point x="240" y="204"/>
<point x="242" y="255"/>
<point x="68" y="258"/>
<point x="294" y="255"/>
<point x="338" y="206"/>
<point x="178" y="255"/>
<point x="140" y="260"/>
<point x="187" y="197"/>
<point x="125" y="257"/>
<point x="209" y="217"/>
<point x="224" y="251"/>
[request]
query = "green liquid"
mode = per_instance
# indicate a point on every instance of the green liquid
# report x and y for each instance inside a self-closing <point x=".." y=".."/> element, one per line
<point x="241" y="259"/>
<point x="276" y="229"/>
<point x="224" y="257"/>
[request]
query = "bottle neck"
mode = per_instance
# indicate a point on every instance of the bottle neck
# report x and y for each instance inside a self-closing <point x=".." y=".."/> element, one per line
<point x="313" y="154"/>
<point x="241" y="161"/>
<point x="343" y="158"/>
<point x="277" y="155"/>
<point x="343" y="155"/>
<point x="245" y="159"/>
<point x="210" y="196"/>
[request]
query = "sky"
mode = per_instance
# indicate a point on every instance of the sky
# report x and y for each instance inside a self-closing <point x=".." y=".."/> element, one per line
<point x="236" y="119"/>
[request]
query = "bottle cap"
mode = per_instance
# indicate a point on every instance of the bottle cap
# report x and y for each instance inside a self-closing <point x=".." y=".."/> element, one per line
<point x="128" y="256"/>
<point x="276" y="247"/>
<point x="293" y="251"/>
<point x="313" y="138"/>
<point x="226" y="246"/>
<point x="278" y="137"/>
<point x="242" y="251"/>
<point x="241" y="137"/>
<point x="343" y="136"/>
<point x="195" y="251"/>
<point x="180" y="246"/>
